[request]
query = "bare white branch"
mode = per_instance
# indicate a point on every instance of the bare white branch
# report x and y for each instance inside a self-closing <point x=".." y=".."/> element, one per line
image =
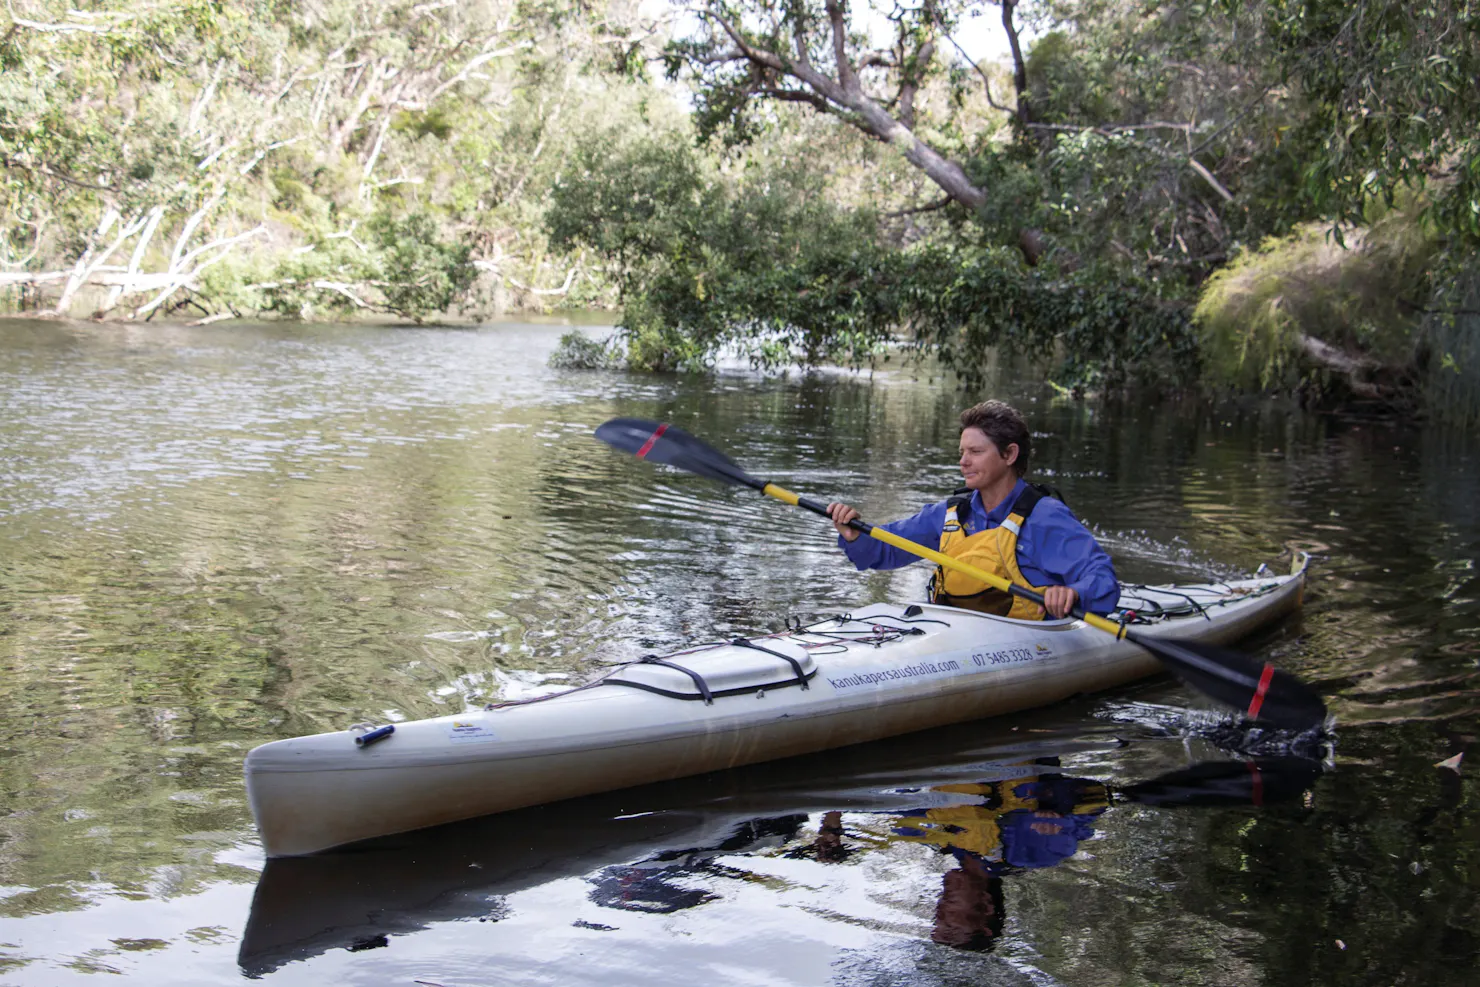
<point x="181" y="280"/>
<point x="257" y="158"/>
<point x="198" y="108"/>
<point x="188" y="230"/>
<point x="1207" y="176"/>
<point x="215" y="155"/>
<point x="136" y="259"/>
<point x="218" y="317"/>
<point x="87" y="264"/>
<point x="570" y="278"/>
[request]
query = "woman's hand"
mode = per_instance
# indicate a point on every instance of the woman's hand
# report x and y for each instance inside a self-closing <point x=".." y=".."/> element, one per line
<point x="841" y="514"/>
<point x="1059" y="600"/>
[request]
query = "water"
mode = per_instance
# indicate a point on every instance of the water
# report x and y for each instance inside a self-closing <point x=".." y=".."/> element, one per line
<point x="214" y="537"/>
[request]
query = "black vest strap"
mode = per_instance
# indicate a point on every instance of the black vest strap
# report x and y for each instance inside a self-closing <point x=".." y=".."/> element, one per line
<point x="960" y="499"/>
<point x="1027" y="500"/>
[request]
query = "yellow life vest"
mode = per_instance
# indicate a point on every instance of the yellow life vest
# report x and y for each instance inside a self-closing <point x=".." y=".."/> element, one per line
<point x="967" y="827"/>
<point x="976" y="827"/>
<point x="994" y="550"/>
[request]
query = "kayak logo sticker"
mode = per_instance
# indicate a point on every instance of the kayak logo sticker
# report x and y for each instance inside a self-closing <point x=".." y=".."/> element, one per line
<point x="1042" y="649"/>
<point x="925" y="668"/>
<point x="469" y="732"/>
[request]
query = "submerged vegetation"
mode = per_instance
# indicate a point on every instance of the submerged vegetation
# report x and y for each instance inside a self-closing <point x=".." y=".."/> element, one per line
<point x="1233" y="194"/>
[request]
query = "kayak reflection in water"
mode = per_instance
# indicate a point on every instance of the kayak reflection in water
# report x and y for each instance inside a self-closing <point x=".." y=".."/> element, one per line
<point x="1021" y="532"/>
<point x="1008" y="826"/>
<point x="1025" y="823"/>
<point x="656" y="885"/>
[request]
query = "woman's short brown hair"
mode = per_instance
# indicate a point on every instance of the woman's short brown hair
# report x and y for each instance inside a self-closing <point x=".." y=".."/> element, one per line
<point x="1004" y="426"/>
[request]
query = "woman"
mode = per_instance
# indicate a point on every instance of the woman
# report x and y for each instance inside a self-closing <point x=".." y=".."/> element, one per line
<point x="999" y="523"/>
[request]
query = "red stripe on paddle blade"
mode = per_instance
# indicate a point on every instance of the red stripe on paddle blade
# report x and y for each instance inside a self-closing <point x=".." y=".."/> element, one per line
<point x="658" y="442"/>
<point x="647" y="446"/>
<point x="1265" y="677"/>
<point x="1261" y="782"/>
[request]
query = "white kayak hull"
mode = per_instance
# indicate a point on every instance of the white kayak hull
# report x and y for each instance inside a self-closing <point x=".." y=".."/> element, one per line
<point x="312" y="793"/>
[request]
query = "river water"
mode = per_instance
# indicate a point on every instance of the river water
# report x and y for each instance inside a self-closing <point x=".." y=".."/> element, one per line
<point x="215" y="537"/>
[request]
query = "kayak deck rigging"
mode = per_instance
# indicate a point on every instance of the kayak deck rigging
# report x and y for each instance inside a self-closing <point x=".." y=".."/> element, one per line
<point x="1140" y="605"/>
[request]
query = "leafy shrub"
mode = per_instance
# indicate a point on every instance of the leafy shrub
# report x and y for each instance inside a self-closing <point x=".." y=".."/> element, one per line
<point x="423" y="274"/>
<point x="577" y="351"/>
<point x="1358" y="290"/>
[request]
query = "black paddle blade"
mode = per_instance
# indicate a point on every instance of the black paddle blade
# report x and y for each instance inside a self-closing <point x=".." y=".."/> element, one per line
<point x="659" y="442"/>
<point x="1261" y="691"/>
<point x="1262" y="781"/>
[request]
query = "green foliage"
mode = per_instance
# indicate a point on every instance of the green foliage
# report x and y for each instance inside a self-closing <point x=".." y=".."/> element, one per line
<point x="627" y="200"/>
<point x="424" y="274"/>
<point x="295" y="286"/>
<point x="1133" y="106"/>
<point x="1357" y="294"/>
<point x="707" y="259"/>
<point x="382" y="154"/>
<point x="578" y="351"/>
<point x="437" y="122"/>
<point x="1153" y="142"/>
<point x="761" y="263"/>
<point x="1390" y="104"/>
<point x="311" y="123"/>
<point x="1102" y="333"/>
<point x="1064" y="87"/>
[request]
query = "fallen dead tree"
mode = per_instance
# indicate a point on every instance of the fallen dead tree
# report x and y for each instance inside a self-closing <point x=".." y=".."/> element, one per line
<point x="146" y="290"/>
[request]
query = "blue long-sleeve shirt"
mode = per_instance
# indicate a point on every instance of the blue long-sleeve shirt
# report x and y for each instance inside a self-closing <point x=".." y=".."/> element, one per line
<point x="1054" y="549"/>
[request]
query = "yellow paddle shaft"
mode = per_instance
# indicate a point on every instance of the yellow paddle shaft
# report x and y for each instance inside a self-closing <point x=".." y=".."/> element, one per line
<point x="914" y="548"/>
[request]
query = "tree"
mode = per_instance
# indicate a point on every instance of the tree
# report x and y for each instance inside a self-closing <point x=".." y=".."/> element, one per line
<point x="797" y="51"/>
<point x="760" y="260"/>
<point x="228" y="157"/>
<point x="753" y="51"/>
<point x="1391" y="105"/>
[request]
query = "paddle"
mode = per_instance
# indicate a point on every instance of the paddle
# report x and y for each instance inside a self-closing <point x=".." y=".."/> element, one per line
<point x="1259" y="689"/>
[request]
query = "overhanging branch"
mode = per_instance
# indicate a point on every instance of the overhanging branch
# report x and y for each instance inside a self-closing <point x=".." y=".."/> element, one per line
<point x="51" y="172"/>
<point x="940" y="203"/>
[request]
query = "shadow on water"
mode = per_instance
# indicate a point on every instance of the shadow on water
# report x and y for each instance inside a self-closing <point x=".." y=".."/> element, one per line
<point x="991" y="796"/>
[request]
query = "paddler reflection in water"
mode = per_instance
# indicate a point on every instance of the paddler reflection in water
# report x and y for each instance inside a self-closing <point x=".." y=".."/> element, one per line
<point x="1022" y="824"/>
<point x="998" y="522"/>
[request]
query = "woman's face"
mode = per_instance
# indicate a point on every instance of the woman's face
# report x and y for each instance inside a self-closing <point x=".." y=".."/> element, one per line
<point x="983" y="465"/>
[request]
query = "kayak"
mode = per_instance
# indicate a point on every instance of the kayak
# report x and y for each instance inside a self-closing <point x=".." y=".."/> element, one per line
<point x="880" y="672"/>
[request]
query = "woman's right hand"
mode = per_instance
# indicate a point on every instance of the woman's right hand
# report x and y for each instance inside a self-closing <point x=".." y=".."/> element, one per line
<point x="841" y="514"/>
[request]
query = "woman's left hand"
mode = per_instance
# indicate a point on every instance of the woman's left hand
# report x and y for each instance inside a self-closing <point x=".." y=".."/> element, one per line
<point x="1059" y="600"/>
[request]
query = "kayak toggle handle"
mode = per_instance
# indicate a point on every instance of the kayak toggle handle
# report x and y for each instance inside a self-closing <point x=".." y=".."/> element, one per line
<point x="375" y="736"/>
